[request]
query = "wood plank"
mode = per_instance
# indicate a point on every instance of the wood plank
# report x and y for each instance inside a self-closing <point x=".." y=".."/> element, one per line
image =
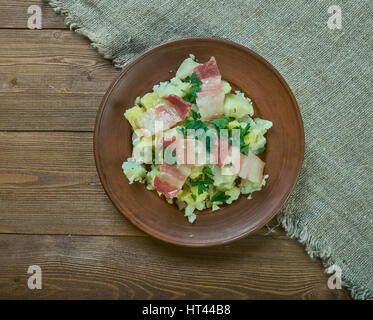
<point x="13" y="14"/>
<point x="49" y="185"/>
<point x="142" y="268"/>
<point x="50" y="80"/>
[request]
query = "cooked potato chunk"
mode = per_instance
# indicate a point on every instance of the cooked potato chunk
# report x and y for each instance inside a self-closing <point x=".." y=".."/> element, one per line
<point x="226" y="86"/>
<point x="222" y="182"/>
<point x="132" y="114"/>
<point x="237" y="106"/>
<point x="150" y="100"/>
<point x="133" y="171"/>
<point x="234" y="124"/>
<point x="234" y="193"/>
<point x="186" y="68"/>
<point x="175" y="86"/>
<point x="142" y="150"/>
<point x="196" y="172"/>
<point x="150" y="176"/>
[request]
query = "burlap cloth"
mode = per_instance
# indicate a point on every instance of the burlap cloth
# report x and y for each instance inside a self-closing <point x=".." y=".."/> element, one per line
<point x="328" y="70"/>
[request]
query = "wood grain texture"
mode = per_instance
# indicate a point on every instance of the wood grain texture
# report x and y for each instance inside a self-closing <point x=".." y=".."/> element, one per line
<point x="50" y="80"/>
<point x="13" y="14"/>
<point x="49" y="185"/>
<point x="53" y="80"/>
<point x="142" y="268"/>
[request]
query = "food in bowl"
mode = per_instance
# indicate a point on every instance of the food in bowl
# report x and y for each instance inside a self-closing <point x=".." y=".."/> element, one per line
<point x="195" y="142"/>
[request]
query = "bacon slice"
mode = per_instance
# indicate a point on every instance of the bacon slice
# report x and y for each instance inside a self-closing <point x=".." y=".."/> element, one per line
<point x="167" y="142"/>
<point x="251" y="168"/>
<point x="173" y="110"/>
<point x="191" y="152"/>
<point x="210" y="100"/>
<point x="224" y="157"/>
<point x="168" y="137"/>
<point x="229" y="157"/>
<point x="170" y="179"/>
<point x="182" y="107"/>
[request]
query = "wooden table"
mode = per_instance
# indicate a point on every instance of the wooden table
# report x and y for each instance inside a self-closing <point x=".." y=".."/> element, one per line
<point x="55" y="214"/>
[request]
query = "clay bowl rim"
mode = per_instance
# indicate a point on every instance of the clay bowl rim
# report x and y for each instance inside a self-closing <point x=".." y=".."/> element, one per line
<point x="144" y="227"/>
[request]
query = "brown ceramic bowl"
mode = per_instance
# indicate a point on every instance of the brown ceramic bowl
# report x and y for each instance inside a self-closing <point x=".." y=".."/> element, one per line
<point x="273" y="100"/>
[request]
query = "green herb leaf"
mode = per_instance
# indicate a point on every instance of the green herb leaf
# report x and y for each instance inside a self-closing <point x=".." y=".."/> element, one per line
<point x="208" y="144"/>
<point x="245" y="130"/>
<point x="181" y="130"/>
<point x="208" y="180"/>
<point x="243" y="133"/>
<point x="194" y="79"/>
<point x="245" y="150"/>
<point x="221" y="123"/>
<point x="219" y="196"/>
<point x="242" y="141"/>
<point x="201" y="188"/>
<point x="201" y="183"/>
<point x="207" y="170"/>
<point x="196" y="115"/>
<point x="191" y="95"/>
<point x="194" y="197"/>
<point x="194" y="124"/>
<point x="194" y="89"/>
<point x="153" y="156"/>
<point x="262" y="149"/>
<point x="193" y="183"/>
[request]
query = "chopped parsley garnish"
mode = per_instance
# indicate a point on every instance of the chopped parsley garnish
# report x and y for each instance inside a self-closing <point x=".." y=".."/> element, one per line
<point x="195" y="115"/>
<point x="208" y="144"/>
<point x="191" y="95"/>
<point x="219" y="196"/>
<point x="208" y="180"/>
<point x="193" y="183"/>
<point x="194" y="124"/>
<point x="246" y="130"/>
<point x="241" y="142"/>
<point x="193" y="79"/>
<point x="201" y="183"/>
<point x="194" y="197"/>
<point x="207" y="170"/>
<point x="243" y="132"/>
<point x="245" y="150"/>
<point x="181" y="130"/>
<point x="153" y="156"/>
<point x="221" y="123"/>
<point x="201" y="186"/>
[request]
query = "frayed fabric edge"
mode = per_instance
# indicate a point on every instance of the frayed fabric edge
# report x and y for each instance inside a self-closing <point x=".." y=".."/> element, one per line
<point x="59" y="8"/>
<point x="315" y="249"/>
